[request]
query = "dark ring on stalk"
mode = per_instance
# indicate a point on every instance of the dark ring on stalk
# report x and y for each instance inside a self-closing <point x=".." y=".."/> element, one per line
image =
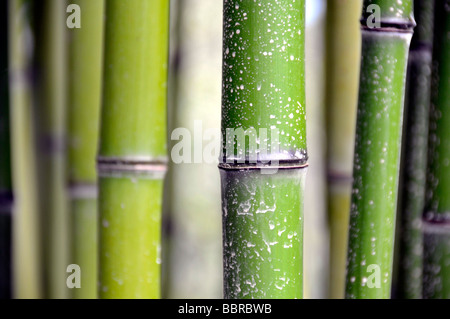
<point x="6" y="202"/>
<point x="281" y="165"/>
<point x="389" y="28"/>
<point x="404" y="25"/>
<point x="124" y="167"/>
<point x="53" y="144"/>
<point x="434" y="218"/>
<point x="83" y="191"/>
<point x="339" y="177"/>
<point x="422" y="49"/>
<point x="436" y="227"/>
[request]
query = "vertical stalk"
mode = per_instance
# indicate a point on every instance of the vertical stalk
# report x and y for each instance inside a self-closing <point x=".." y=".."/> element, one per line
<point x="132" y="159"/>
<point x="414" y="154"/>
<point x="192" y="249"/>
<point x="86" y="49"/>
<point x="436" y="271"/>
<point x="377" y="149"/>
<point x="51" y="65"/>
<point x="5" y="161"/>
<point x="343" y="53"/>
<point x="263" y="182"/>
<point x="26" y="232"/>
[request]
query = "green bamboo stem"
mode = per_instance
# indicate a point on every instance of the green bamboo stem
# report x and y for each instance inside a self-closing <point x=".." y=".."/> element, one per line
<point x="414" y="155"/>
<point x="51" y="94"/>
<point x="86" y="47"/>
<point x="132" y="156"/>
<point x="5" y="161"/>
<point x="436" y="271"/>
<point x="343" y="53"/>
<point x="27" y="267"/>
<point x="377" y="149"/>
<point x="263" y="88"/>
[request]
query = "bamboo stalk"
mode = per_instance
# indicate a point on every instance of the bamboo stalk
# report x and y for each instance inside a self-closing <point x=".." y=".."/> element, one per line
<point x="414" y="154"/>
<point x="51" y="95"/>
<point x="343" y="52"/>
<point x="26" y="233"/>
<point x="377" y="149"/>
<point x="263" y="89"/>
<point x="84" y="115"/>
<point x="5" y="162"/>
<point x="436" y="270"/>
<point x="132" y="156"/>
<point x="192" y="243"/>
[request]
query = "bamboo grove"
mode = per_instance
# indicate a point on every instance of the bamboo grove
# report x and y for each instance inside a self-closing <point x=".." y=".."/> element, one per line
<point x="100" y="105"/>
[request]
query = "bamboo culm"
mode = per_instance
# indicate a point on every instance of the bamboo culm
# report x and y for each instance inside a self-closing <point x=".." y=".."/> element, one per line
<point x="85" y="65"/>
<point x="262" y="188"/>
<point x="27" y="260"/>
<point x="5" y="162"/>
<point x="343" y="54"/>
<point x="132" y="155"/>
<point x="436" y="219"/>
<point x="414" y="155"/>
<point x="385" y="49"/>
<point x="51" y="96"/>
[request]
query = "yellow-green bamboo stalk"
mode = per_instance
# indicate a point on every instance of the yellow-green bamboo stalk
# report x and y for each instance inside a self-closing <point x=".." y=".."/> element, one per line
<point x="85" y="72"/>
<point x="343" y="63"/>
<point x="132" y="156"/>
<point x="26" y="236"/>
<point x="51" y="89"/>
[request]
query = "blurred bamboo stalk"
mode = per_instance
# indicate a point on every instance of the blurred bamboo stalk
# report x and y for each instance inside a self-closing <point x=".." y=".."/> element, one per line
<point x="343" y="63"/>
<point x="26" y="232"/>
<point x="316" y="233"/>
<point x="51" y="97"/>
<point x="132" y="156"/>
<point x="436" y="219"/>
<point x="414" y="155"/>
<point x="385" y="49"/>
<point x="85" y="67"/>
<point x="6" y="197"/>
<point x="192" y="254"/>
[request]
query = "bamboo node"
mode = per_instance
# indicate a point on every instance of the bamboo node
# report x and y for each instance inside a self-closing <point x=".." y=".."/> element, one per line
<point x="83" y="191"/>
<point x="6" y="202"/>
<point x="281" y="165"/>
<point x="118" y="167"/>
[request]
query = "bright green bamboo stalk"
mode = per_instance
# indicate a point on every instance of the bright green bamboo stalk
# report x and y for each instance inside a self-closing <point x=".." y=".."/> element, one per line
<point x="414" y="155"/>
<point x="377" y="150"/>
<point x="26" y="234"/>
<point x="132" y="156"/>
<point x="436" y="271"/>
<point x="51" y="66"/>
<point x="86" y="49"/>
<point x="5" y="161"/>
<point x="263" y="94"/>
<point x="343" y="53"/>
